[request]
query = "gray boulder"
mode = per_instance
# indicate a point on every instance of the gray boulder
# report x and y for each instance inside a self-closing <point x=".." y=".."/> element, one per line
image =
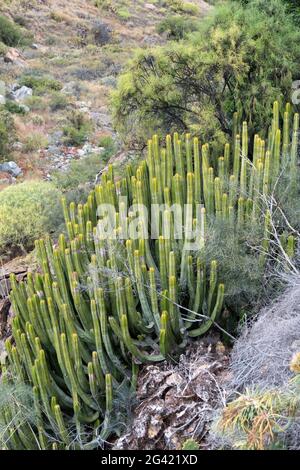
<point x="21" y="93"/>
<point x="12" y="168"/>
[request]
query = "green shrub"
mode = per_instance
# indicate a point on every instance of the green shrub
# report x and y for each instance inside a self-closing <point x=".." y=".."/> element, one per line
<point x="190" y="444"/>
<point x="27" y="211"/>
<point x="35" y="141"/>
<point x="11" y="34"/>
<point x="241" y="59"/>
<point x="189" y="8"/>
<point x="14" y="107"/>
<point x="36" y="103"/>
<point x="263" y="418"/>
<point x="107" y="142"/>
<point x="176" y="27"/>
<point x="58" y="101"/>
<point x="76" y="137"/>
<point x="292" y="6"/>
<point x="40" y="85"/>
<point x="3" y="49"/>
<point x="123" y="14"/>
<point x="76" y="133"/>
<point x="179" y="6"/>
<point x="80" y="172"/>
<point x="105" y="5"/>
<point x="7" y="132"/>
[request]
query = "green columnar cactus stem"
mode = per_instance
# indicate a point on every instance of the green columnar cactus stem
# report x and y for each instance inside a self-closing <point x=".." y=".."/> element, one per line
<point x="244" y="162"/>
<point x="225" y="212"/>
<point x="237" y="157"/>
<point x="98" y="301"/>
<point x="197" y="172"/>
<point x="226" y="158"/>
<point x="291" y="246"/>
<point x="105" y="333"/>
<point x="218" y="197"/>
<point x="188" y="151"/>
<point x="221" y="171"/>
<point x="98" y="338"/>
<point x="167" y="339"/>
<point x="232" y="190"/>
<point x="210" y="191"/>
<point x="234" y="131"/>
<point x="133" y="348"/>
<point x="154" y="298"/>
<point x="216" y="311"/>
<point x="61" y="425"/>
<point x="140" y="285"/>
<point x="286" y="134"/>
<point x="173" y="309"/>
<point x="294" y="145"/>
<point x="241" y="209"/>
<point x="277" y="149"/>
<point x="266" y="177"/>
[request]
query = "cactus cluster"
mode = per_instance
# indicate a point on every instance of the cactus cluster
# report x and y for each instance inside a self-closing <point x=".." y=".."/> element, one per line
<point x="101" y="306"/>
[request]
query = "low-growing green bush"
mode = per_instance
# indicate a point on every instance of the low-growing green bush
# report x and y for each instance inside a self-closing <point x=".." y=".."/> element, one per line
<point x="123" y="14"/>
<point x="40" y="85"/>
<point x="58" y="101"/>
<point x="35" y="141"/>
<point x="81" y="172"/>
<point x="14" y="107"/>
<point x="3" y="49"/>
<point x="176" y="27"/>
<point x="7" y="132"/>
<point x="11" y="34"/>
<point x="36" y="103"/>
<point x="189" y="8"/>
<point x="78" y="129"/>
<point x="179" y="6"/>
<point x="74" y="136"/>
<point x="27" y="211"/>
<point x="107" y="142"/>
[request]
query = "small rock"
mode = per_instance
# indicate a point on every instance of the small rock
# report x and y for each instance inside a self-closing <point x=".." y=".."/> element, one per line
<point x="56" y="137"/>
<point x="72" y="88"/>
<point x="13" y="56"/>
<point x="150" y="6"/>
<point x="12" y="168"/>
<point x="21" y="93"/>
<point x="2" y="99"/>
<point x="25" y="108"/>
<point x="34" y="46"/>
<point x="17" y="146"/>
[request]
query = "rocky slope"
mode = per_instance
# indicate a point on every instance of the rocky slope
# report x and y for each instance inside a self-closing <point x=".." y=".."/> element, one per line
<point x="84" y="48"/>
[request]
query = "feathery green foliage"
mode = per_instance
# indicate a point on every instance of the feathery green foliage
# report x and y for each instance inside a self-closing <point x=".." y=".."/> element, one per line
<point x="250" y="60"/>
